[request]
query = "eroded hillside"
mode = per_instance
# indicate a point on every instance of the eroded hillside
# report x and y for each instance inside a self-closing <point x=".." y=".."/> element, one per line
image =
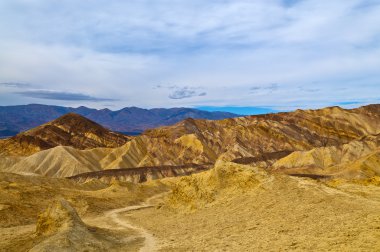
<point x="204" y="141"/>
<point x="68" y="130"/>
<point x="47" y="214"/>
<point x="231" y="207"/>
<point x="257" y="140"/>
<point x="237" y="207"/>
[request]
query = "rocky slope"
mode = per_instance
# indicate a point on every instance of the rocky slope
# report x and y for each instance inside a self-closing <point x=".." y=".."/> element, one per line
<point x="61" y="161"/>
<point x="258" y="140"/>
<point x="61" y="229"/>
<point x="58" y="217"/>
<point x="64" y="161"/>
<point x="134" y="120"/>
<point x="356" y="159"/>
<point x="77" y="223"/>
<point x="231" y="207"/>
<point x="196" y="191"/>
<point x="257" y="137"/>
<point x="23" y="198"/>
<point x="139" y="175"/>
<point x="68" y="130"/>
<point x="236" y="207"/>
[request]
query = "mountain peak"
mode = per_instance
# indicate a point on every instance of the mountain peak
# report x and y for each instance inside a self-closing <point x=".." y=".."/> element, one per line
<point x="77" y="121"/>
<point x="68" y="130"/>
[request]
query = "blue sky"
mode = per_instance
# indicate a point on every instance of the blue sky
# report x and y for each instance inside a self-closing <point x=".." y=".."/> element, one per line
<point x="239" y="110"/>
<point x="226" y="54"/>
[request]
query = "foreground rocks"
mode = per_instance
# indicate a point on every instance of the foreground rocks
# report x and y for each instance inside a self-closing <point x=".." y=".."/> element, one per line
<point x="61" y="229"/>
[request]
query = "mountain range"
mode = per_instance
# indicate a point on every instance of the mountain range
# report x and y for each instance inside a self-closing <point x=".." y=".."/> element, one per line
<point x="324" y="141"/>
<point x="130" y="120"/>
<point x="304" y="180"/>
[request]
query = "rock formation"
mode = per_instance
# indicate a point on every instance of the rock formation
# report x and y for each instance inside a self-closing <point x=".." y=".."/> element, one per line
<point x="60" y="161"/>
<point x="356" y="159"/>
<point x="59" y="217"/>
<point x="315" y="138"/>
<point x="61" y="229"/>
<point x="195" y="191"/>
<point x="68" y="130"/>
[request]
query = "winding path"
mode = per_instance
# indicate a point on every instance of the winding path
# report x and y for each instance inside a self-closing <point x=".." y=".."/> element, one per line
<point x="149" y="239"/>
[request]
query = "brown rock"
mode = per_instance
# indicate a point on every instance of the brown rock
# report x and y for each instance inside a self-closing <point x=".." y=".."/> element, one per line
<point x="60" y="216"/>
<point x="68" y="130"/>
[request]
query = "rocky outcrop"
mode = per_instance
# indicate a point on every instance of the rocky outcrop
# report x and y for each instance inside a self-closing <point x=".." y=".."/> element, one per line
<point x="69" y="130"/>
<point x="357" y="159"/>
<point x="61" y="229"/>
<point x="139" y="175"/>
<point x="196" y="191"/>
<point x="59" y="217"/>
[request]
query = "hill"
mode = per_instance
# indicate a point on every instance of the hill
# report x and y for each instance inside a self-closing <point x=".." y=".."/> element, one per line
<point x="257" y="137"/>
<point x="235" y="207"/>
<point x="257" y="140"/>
<point x="359" y="158"/>
<point x="230" y="207"/>
<point x="61" y="161"/>
<point x="30" y="200"/>
<point x="68" y="130"/>
<point x="131" y="120"/>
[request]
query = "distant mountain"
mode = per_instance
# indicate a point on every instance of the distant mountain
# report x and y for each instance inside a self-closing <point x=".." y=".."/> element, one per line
<point x="68" y="130"/>
<point x="130" y="120"/>
<point x="327" y="142"/>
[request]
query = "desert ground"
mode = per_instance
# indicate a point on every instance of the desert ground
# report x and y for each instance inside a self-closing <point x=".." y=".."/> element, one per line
<point x="228" y="208"/>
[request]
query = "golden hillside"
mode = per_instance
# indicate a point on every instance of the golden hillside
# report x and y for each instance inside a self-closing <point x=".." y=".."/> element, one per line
<point x="204" y="141"/>
<point x="356" y="159"/>
<point x="235" y="207"/>
<point x="231" y="207"/>
<point x="257" y="140"/>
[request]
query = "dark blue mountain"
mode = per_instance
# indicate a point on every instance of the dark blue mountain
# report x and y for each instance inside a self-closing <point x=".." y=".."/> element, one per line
<point x="130" y="120"/>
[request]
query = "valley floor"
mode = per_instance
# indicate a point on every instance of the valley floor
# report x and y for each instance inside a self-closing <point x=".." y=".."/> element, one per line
<point x="283" y="213"/>
<point x="298" y="215"/>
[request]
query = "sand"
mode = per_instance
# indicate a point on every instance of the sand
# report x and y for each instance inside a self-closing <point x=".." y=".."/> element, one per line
<point x="228" y="212"/>
<point x="287" y="213"/>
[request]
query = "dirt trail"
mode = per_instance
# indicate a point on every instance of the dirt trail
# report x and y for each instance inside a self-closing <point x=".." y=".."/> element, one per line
<point x="149" y="239"/>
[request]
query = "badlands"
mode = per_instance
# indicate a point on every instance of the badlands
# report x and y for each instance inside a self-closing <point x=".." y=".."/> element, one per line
<point x="303" y="180"/>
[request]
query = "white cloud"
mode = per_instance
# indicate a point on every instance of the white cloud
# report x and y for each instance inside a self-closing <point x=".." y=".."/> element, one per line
<point x="122" y="49"/>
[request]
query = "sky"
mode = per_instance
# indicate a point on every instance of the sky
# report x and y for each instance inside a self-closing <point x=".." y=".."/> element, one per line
<point x="239" y="55"/>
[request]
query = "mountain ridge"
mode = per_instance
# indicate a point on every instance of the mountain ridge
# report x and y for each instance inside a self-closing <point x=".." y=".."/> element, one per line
<point x="68" y="130"/>
<point x="256" y="140"/>
<point x="130" y="119"/>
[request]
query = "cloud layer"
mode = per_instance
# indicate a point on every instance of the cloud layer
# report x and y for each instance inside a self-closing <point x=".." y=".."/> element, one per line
<point x="60" y="96"/>
<point x="185" y="92"/>
<point x="275" y="53"/>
